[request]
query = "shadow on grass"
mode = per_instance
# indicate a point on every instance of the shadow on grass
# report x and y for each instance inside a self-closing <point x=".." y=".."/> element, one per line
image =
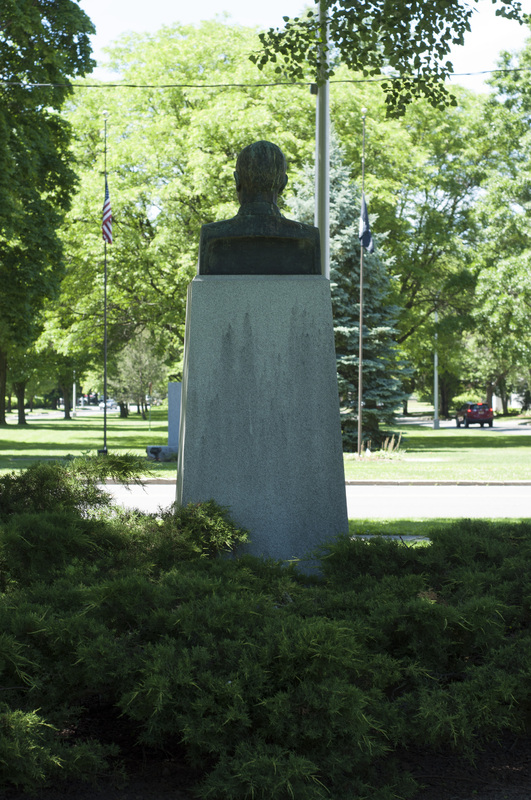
<point x="81" y="446"/>
<point x="140" y="426"/>
<point x="400" y="527"/>
<point x="415" y="527"/>
<point x="465" y="442"/>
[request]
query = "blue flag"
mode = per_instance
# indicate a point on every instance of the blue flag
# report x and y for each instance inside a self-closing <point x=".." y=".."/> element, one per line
<point x="365" y="231"/>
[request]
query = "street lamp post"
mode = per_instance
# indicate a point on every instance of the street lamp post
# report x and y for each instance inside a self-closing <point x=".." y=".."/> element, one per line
<point x="322" y="148"/>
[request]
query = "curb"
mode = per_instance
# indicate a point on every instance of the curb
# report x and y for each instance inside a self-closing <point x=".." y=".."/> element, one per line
<point x="170" y="481"/>
<point x="435" y="483"/>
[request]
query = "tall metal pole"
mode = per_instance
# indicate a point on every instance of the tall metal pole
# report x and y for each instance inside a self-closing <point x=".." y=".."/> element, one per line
<point x="322" y="148"/>
<point x="74" y="396"/>
<point x="436" y="378"/>
<point x="104" y="451"/>
<point x="360" y="356"/>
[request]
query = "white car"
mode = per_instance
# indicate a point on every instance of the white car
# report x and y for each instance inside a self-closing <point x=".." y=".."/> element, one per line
<point x="112" y="405"/>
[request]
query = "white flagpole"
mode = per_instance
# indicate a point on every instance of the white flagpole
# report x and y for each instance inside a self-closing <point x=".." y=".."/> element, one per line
<point x="436" y="376"/>
<point x="104" y="450"/>
<point x="360" y="356"/>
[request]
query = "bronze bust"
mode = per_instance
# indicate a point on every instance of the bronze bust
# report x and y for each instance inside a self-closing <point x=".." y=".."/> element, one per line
<point x="259" y="240"/>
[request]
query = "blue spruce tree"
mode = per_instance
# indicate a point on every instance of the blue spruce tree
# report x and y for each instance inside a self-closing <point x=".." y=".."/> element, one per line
<point x="383" y="368"/>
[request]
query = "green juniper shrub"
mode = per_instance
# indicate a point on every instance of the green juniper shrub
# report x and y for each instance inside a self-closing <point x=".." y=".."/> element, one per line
<point x="28" y="753"/>
<point x="72" y="484"/>
<point x="277" y="684"/>
<point x="208" y="526"/>
<point x="32" y="753"/>
<point x="38" y="545"/>
<point x="180" y="533"/>
<point x="47" y="486"/>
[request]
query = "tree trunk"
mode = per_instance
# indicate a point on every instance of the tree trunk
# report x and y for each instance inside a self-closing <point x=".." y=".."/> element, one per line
<point x="3" y="385"/>
<point x="66" y="400"/>
<point x="502" y="388"/>
<point x="490" y="392"/>
<point x="446" y="397"/>
<point x="124" y="411"/>
<point x="20" y="390"/>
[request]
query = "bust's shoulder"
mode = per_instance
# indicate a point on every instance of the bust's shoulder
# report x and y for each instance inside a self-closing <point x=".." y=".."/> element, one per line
<point x="244" y="224"/>
<point x="224" y="227"/>
<point x="260" y="241"/>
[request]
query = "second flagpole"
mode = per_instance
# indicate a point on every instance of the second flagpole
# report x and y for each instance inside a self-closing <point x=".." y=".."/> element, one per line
<point x="360" y="357"/>
<point x="104" y="451"/>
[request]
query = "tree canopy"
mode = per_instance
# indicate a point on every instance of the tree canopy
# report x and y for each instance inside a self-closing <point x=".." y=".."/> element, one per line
<point x="40" y="43"/>
<point x="448" y="191"/>
<point x="406" y="42"/>
<point x="171" y="155"/>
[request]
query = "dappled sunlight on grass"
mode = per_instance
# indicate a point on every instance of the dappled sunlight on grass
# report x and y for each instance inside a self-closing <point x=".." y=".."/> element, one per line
<point x="46" y="437"/>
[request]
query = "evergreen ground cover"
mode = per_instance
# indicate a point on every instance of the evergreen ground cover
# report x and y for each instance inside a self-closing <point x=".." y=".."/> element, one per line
<point x="268" y="683"/>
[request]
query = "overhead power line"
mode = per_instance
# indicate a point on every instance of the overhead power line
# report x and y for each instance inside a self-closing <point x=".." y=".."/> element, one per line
<point x="378" y="79"/>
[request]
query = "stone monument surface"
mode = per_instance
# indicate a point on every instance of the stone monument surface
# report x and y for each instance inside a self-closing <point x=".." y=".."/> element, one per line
<point x="260" y="429"/>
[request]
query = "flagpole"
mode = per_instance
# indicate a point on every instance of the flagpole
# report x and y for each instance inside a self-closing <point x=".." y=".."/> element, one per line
<point x="360" y="357"/>
<point x="104" y="450"/>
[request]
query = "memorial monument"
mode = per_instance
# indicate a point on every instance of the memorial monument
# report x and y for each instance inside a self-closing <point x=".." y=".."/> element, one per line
<point x="260" y="429"/>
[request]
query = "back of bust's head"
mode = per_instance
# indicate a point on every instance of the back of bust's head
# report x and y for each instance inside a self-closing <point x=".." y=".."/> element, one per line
<point x="261" y="167"/>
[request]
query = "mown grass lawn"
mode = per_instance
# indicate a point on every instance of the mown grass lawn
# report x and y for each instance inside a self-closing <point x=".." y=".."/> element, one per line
<point x="449" y="454"/>
<point x="48" y="436"/>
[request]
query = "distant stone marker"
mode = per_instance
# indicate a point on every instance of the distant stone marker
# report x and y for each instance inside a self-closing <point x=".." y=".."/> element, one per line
<point x="260" y="428"/>
<point x="168" y="452"/>
<point x="174" y="412"/>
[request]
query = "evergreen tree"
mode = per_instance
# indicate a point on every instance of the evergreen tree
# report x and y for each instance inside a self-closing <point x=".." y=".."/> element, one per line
<point x="382" y="366"/>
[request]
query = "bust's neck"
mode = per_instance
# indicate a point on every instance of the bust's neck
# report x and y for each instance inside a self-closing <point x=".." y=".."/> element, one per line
<point x="260" y="207"/>
<point x="251" y="196"/>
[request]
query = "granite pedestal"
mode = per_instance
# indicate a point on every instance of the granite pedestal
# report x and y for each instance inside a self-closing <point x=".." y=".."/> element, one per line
<point x="260" y="428"/>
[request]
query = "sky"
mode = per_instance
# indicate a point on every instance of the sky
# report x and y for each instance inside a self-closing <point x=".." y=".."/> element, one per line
<point x="489" y="36"/>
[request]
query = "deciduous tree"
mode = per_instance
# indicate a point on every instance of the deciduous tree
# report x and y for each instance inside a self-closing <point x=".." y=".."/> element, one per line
<point x="408" y="43"/>
<point x="42" y="46"/>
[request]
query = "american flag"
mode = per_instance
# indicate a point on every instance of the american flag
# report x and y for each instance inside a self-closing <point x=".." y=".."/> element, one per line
<point x="106" y="226"/>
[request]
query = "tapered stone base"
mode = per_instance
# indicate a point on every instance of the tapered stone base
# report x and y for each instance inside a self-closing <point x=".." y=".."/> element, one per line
<point x="260" y="427"/>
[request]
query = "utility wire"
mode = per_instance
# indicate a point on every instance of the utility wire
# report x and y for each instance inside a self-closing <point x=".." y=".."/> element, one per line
<point x="379" y="79"/>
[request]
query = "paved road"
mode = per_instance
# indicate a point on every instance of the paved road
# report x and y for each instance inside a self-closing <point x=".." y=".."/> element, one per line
<point x="507" y="425"/>
<point x="370" y="501"/>
<point x="405" y="501"/>
<point x="428" y="502"/>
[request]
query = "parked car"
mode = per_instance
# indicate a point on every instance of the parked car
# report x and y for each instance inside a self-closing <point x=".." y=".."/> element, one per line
<point x="112" y="405"/>
<point x="474" y="414"/>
